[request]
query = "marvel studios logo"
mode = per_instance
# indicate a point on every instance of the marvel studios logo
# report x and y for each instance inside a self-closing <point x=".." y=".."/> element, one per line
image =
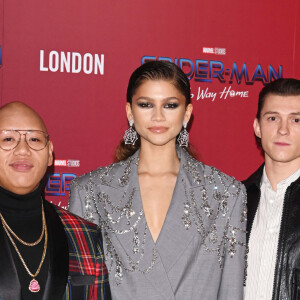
<point x="67" y="163"/>
<point x="217" y="51"/>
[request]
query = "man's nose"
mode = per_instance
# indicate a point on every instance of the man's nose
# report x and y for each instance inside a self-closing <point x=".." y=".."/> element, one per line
<point x="22" y="147"/>
<point x="283" y="128"/>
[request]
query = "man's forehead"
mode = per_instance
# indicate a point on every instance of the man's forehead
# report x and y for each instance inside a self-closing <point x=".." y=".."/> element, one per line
<point x="273" y="102"/>
<point x="282" y="97"/>
<point x="17" y="115"/>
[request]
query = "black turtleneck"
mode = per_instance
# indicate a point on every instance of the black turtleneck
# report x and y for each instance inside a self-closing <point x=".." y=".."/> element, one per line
<point x="23" y="213"/>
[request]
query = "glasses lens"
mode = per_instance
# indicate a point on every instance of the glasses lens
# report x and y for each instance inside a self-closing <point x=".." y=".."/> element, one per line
<point x="36" y="140"/>
<point x="9" y="139"/>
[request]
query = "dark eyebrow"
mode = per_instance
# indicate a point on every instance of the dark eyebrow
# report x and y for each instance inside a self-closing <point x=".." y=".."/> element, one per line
<point x="151" y="99"/>
<point x="276" y="113"/>
<point x="270" y="113"/>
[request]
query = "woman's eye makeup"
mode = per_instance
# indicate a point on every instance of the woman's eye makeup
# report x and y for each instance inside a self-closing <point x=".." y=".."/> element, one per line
<point x="171" y="105"/>
<point x="144" y="104"/>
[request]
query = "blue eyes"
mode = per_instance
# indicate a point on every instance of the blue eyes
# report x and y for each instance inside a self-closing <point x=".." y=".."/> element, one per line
<point x="149" y="105"/>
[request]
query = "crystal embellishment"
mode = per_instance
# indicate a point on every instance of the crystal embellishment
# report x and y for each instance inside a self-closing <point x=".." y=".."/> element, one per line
<point x="183" y="138"/>
<point x="130" y="136"/>
<point x="206" y="209"/>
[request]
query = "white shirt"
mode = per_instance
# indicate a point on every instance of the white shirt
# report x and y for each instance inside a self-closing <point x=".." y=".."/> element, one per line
<point x="263" y="241"/>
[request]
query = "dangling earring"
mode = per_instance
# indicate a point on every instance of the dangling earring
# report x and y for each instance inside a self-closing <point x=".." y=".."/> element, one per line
<point x="130" y="136"/>
<point x="183" y="138"/>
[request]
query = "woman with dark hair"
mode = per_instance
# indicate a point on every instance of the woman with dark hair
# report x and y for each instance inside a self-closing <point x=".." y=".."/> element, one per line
<point x="173" y="228"/>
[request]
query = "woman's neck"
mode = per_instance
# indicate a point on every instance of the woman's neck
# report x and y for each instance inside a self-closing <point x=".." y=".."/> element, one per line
<point x="158" y="159"/>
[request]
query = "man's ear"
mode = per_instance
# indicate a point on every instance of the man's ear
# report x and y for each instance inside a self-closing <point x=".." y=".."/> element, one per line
<point x="50" y="149"/>
<point x="256" y="128"/>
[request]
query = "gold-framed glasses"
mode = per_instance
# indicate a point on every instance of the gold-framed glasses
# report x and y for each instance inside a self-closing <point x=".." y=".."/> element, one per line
<point x="35" y="139"/>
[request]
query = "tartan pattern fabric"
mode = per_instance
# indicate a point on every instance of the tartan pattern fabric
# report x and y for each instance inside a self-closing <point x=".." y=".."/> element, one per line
<point x="85" y="258"/>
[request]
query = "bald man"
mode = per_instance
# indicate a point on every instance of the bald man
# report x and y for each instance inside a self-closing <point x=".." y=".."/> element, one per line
<point x="45" y="252"/>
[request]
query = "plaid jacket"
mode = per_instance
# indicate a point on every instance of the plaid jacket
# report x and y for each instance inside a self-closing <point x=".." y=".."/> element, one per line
<point x="88" y="275"/>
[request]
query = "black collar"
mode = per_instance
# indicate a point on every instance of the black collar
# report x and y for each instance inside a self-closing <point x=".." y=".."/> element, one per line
<point x="255" y="178"/>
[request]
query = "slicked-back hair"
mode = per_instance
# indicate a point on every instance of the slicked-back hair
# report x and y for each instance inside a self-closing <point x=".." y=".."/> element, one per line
<point x="159" y="70"/>
<point x="154" y="70"/>
<point x="279" y="87"/>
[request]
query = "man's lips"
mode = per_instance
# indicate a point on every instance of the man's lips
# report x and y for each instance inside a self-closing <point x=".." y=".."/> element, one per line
<point x="158" y="129"/>
<point x="21" y="166"/>
<point x="281" y="144"/>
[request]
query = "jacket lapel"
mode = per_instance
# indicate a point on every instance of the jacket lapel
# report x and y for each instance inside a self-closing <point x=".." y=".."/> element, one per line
<point x="176" y="234"/>
<point x="59" y="255"/>
<point x="159" y="280"/>
<point x="253" y="196"/>
<point x="129" y="222"/>
<point x="10" y="288"/>
<point x="168" y="247"/>
<point x="121" y="188"/>
<point x="119" y="200"/>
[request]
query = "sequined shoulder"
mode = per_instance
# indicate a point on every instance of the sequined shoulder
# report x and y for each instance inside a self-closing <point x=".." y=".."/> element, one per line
<point x="214" y="175"/>
<point x="98" y="176"/>
<point x="204" y="175"/>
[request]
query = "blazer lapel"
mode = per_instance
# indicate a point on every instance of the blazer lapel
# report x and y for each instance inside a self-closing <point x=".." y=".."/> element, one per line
<point x="120" y="206"/>
<point x="10" y="288"/>
<point x="176" y="233"/>
<point x="59" y="255"/>
<point x="158" y="278"/>
<point x="253" y="196"/>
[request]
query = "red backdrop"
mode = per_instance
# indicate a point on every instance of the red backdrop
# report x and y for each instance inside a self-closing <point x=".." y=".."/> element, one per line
<point x="71" y="61"/>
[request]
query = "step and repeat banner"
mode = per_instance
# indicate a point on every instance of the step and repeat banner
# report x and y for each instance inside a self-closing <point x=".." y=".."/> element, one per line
<point x="71" y="60"/>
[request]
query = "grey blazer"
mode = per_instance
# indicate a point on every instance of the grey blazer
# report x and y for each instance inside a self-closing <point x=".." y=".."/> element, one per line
<point x="200" y="252"/>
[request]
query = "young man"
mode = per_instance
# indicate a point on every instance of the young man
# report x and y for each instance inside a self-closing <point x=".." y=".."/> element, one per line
<point x="46" y="253"/>
<point x="274" y="197"/>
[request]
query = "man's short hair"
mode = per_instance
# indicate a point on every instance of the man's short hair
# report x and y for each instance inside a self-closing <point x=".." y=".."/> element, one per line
<point x="279" y="87"/>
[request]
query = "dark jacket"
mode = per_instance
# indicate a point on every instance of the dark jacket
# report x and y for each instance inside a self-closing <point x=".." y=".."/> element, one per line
<point x="77" y="270"/>
<point x="287" y="269"/>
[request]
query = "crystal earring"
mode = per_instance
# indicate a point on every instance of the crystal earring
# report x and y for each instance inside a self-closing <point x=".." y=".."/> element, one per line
<point x="130" y="136"/>
<point x="183" y="138"/>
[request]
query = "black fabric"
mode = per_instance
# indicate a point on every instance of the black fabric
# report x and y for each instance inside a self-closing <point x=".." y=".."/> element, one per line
<point x="23" y="213"/>
<point x="286" y="281"/>
<point x="252" y="185"/>
<point x="82" y="280"/>
<point x="10" y="288"/>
